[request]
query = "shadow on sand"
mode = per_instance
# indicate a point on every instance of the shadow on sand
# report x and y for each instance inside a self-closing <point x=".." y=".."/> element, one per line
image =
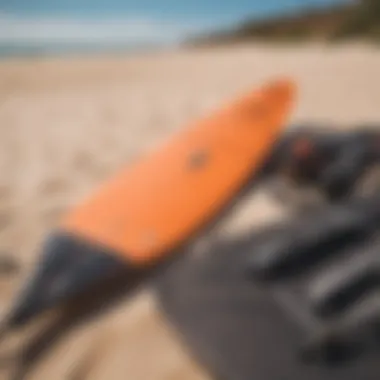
<point x="80" y="311"/>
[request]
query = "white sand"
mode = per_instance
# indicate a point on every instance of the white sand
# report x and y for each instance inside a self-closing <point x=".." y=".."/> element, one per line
<point x="66" y="125"/>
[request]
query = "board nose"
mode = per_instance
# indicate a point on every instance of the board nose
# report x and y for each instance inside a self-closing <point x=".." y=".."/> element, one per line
<point x="68" y="268"/>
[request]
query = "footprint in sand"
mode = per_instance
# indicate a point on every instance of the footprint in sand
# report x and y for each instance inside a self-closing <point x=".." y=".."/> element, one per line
<point x="53" y="186"/>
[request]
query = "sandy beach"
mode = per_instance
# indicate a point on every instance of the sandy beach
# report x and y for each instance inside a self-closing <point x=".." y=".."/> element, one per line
<point x="67" y="124"/>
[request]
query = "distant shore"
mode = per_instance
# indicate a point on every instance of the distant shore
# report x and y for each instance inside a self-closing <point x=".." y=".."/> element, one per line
<point x="74" y="50"/>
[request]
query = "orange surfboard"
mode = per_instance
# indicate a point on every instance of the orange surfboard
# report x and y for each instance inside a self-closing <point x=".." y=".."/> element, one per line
<point x="153" y="206"/>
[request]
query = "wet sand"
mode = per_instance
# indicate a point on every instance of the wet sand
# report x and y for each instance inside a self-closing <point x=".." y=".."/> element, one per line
<point x="68" y="124"/>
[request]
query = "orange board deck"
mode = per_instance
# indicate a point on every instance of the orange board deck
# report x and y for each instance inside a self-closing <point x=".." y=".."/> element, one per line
<point x="153" y="206"/>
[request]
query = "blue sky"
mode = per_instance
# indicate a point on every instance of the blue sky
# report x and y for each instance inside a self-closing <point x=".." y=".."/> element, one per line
<point x="102" y="21"/>
<point x="170" y="8"/>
